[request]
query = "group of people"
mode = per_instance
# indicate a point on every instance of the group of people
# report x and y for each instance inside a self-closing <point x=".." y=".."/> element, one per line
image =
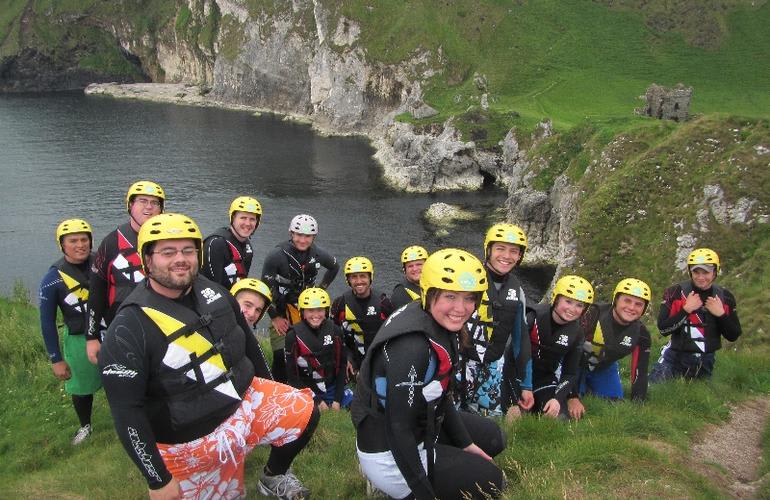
<point x="163" y="319"/>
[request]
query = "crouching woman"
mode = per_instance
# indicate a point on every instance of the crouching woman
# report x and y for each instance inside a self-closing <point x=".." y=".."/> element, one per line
<point x="412" y="441"/>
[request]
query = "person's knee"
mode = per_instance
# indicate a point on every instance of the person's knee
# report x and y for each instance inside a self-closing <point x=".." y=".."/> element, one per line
<point x="312" y="423"/>
<point x="497" y="443"/>
<point x="490" y="485"/>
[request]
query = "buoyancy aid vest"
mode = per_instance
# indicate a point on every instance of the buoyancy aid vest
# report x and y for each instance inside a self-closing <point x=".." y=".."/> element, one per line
<point x="240" y="254"/>
<point x="698" y="330"/>
<point x="204" y="368"/>
<point x="318" y="354"/>
<point x="370" y="392"/>
<point x="497" y="311"/>
<point x="605" y="345"/>
<point x="125" y="270"/>
<point x="74" y="307"/>
<point x="301" y="275"/>
<point x="549" y="347"/>
<point x="412" y="289"/>
<point x="363" y="318"/>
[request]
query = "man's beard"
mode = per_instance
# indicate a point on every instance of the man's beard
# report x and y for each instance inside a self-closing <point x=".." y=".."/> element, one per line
<point x="167" y="280"/>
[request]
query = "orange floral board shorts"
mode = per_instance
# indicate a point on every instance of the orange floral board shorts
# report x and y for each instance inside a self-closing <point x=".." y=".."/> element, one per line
<point x="212" y="466"/>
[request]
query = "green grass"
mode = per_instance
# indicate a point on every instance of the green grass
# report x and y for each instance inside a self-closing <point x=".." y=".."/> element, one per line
<point x="618" y="450"/>
<point x="572" y="60"/>
<point x="646" y="188"/>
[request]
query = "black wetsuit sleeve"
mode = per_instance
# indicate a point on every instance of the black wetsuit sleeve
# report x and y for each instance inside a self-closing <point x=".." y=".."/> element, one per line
<point x="98" y="288"/>
<point x="49" y="303"/>
<point x="214" y="252"/>
<point x="338" y="317"/>
<point x="338" y="310"/>
<point x="729" y="325"/>
<point x="569" y="371"/>
<point x="292" y="373"/>
<point x="496" y="346"/>
<point x="668" y="325"/>
<point x="524" y="360"/>
<point x="270" y="268"/>
<point x="339" y="387"/>
<point x="406" y="361"/>
<point x="639" y="374"/>
<point x="125" y="365"/>
<point x="386" y="307"/>
<point x="332" y="267"/>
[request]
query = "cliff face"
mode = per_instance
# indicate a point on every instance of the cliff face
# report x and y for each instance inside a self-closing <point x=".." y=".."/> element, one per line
<point x="299" y="58"/>
<point x="638" y="202"/>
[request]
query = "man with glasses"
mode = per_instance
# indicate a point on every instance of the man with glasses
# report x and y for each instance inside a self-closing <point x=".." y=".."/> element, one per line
<point x="116" y="267"/>
<point x="188" y="384"/>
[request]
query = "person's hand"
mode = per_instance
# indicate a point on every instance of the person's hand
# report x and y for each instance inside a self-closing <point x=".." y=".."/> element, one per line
<point x="61" y="370"/>
<point x="281" y="325"/>
<point x="472" y="448"/>
<point x="322" y="406"/>
<point x="551" y="408"/>
<point x="92" y="350"/>
<point x="575" y="408"/>
<point x="715" y="306"/>
<point x="171" y="491"/>
<point x="350" y="371"/>
<point x="527" y="400"/>
<point x="513" y="413"/>
<point x="335" y="406"/>
<point x="692" y="303"/>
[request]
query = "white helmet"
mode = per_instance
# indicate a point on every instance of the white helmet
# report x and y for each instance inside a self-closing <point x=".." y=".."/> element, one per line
<point x="303" y="224"/>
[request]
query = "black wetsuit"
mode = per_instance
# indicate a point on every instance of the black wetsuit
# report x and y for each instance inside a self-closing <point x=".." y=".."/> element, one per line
<point x="315" y="359"/>
<point x="150" y="401"/>
<point x="116" y="270"/>
<point x="553" y="346"/>
<point x="360" y="319"/>
<point x="226" y="259"/>
<point x="695" y="337"/>
<point x="287" y="272"/>
<point x="401" y="296"/>
<point x="403" y="397"/>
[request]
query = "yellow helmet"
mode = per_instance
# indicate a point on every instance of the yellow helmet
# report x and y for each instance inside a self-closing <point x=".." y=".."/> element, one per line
<point x="169" y="227"/>
<point x="414" y="252"/>
<point x="701" y="256"/>
<point x="573" y="287"/>
<point x="245" y="204"/>
<point x="72" y="226"/>
<point x="359" y="265"/>
<point x="452" y="269"/>
<point x="147" y="188"/>
<point x="312" y="298"/>
<point x="634" y="287"/>
<point x="253" y="285"/>
<point x="505" y="233"/>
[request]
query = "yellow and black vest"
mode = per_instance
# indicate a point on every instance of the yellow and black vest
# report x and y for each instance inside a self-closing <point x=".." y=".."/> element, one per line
<point x="205" y="367"/>
<point x="607" y="342"/>
<point x="74" y="307"/>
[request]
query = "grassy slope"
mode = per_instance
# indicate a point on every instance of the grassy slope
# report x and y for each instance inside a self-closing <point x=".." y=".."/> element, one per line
<point x="568" y="60"/>
<point x="619" y="450"/>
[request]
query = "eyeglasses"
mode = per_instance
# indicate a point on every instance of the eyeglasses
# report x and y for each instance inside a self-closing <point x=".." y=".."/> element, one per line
<point x="146" y="201"/>
<point x="171" y="252"/>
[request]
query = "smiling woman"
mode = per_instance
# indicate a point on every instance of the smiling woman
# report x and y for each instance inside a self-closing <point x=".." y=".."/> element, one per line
<point x="404" y="393"/>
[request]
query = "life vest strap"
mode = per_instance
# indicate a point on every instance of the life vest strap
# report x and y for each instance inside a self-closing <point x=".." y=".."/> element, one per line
<point x="203" y="321"/>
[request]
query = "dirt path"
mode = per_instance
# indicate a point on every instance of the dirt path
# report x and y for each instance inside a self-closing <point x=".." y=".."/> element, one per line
<point x="732" y="452"/>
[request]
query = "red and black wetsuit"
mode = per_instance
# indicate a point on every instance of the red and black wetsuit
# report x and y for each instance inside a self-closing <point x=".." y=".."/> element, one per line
<point x="226" y="259"/>
<point x="116" y="270"/>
